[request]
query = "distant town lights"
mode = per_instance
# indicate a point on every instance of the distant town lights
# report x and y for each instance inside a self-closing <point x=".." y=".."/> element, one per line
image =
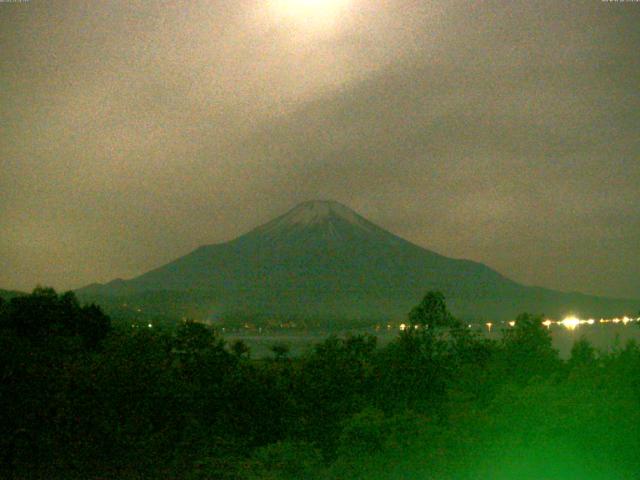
<point x="572" y="322"/>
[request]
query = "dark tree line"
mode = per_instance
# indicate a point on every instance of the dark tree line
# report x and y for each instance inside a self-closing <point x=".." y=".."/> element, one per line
<point x="82" y="399"/>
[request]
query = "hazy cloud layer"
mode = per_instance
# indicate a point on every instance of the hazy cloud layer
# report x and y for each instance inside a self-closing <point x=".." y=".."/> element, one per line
<point x="505" y="132"/>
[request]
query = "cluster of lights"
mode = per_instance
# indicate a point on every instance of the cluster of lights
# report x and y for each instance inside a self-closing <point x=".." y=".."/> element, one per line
<point x="134" y="325"/>
<point x="404" y="326"/>
<point x="572" y="322"/>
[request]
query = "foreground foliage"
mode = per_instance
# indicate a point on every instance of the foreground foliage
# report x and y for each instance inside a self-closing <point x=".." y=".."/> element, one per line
<point x="81" y="399"/>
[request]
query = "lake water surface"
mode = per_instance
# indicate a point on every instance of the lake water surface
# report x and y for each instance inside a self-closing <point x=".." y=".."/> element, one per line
<point x="603" y="337"/>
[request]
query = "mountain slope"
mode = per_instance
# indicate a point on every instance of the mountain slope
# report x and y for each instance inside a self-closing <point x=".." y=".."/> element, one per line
<point x="323" y="259"/>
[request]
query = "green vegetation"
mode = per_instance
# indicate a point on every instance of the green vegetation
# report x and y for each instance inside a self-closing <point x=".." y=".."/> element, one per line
<point x="83" y="398"/>
<point x="9" y="294"/>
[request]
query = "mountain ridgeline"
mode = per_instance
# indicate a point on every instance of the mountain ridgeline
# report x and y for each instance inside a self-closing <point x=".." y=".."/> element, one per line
<point x="323" y="260"/>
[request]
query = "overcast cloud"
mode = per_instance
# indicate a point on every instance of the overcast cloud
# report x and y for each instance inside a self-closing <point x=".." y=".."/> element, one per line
<point x="507" y="132"/>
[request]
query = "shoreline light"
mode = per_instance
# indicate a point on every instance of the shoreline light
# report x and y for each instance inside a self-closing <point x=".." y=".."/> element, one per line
<point x="570" y="323"/>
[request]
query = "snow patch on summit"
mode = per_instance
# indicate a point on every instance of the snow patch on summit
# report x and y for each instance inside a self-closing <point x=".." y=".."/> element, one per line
<point x="317" y="212"/>
<point x="309" y="213"/>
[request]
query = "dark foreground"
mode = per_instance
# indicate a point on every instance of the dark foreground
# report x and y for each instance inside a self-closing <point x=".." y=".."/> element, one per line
<point x="82" y="398"/>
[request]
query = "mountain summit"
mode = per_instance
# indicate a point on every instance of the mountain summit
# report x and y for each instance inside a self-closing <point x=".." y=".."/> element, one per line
<point x="317" y="211"/>
<point x="330" y="219"/>
<point x="323" y="260"/>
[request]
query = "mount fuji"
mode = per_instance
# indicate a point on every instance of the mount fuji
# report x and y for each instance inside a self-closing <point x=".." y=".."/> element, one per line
<point x="323" y="260"/>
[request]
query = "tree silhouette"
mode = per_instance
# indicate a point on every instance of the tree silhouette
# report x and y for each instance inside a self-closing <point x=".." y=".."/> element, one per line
<point x="431" y="312"/>
<point x="583" y="354"/>
<point x="280" y="350"/>
<point x="44" y="314"/>
<point x="527" y="348"/>
<point x="240" y="349"/>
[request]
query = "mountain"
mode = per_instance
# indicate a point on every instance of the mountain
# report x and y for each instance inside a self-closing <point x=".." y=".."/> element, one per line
<point x="323" y="260"/>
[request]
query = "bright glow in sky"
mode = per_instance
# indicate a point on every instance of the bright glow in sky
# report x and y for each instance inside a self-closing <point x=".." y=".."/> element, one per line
<point x="310" y="14"/>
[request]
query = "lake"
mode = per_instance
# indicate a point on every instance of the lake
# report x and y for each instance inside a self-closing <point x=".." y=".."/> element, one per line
<point x="603" y="337"/>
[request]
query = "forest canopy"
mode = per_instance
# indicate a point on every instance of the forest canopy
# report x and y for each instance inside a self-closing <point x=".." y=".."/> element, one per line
<point x="82" y="398"/>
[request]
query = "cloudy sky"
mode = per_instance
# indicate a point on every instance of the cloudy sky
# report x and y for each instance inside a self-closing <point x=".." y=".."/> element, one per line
<point x="506" y="132"/>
